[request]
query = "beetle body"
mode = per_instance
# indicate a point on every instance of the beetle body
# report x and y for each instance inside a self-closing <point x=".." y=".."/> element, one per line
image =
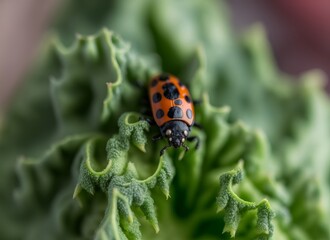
<point x="172" y="109"/>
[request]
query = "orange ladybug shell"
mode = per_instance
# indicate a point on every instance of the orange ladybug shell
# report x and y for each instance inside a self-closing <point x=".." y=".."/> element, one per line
<point x="170" y="100"/>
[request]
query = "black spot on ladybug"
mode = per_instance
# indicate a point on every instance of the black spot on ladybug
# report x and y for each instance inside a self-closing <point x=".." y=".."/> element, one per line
<point x="156" y="97"/>
<point x="164" y="77"/>
<point x="177" y="102"/>
<point x="181" y="84"/>
<point x="187" y="99"/>
<point x="170" y="91"/>
<point x="189" y="113"/>
<point x="154" y="82"/>
<point x="175" y="112"/>
<point x="159" y="113"/>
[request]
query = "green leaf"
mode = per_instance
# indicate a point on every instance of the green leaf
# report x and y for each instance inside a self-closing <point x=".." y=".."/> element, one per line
<point x="234" y="207"/>
<point x="74" y="130"/>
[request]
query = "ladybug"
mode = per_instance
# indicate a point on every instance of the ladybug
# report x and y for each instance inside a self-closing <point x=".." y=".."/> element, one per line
<point x="173" y="111"/>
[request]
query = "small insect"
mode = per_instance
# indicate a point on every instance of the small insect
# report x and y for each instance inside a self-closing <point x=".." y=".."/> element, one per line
<point x="172" y="110"/>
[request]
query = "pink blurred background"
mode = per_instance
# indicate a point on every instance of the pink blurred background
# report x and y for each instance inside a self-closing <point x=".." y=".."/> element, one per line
<point x="22" y="24"/>
<point x="299" y="32"/>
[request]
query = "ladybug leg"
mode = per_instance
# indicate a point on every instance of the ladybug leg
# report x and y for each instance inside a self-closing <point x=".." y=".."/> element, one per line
<point x="194" y="138"/>
<point x="157" y="137"/>
<point x="197" y="125"/>
<point x="163" y="150"/>
<point x="197" y="102"/>
<point x="146" y="111"/>
<point x="148" y="120"/>
<point x="185" y="147"/>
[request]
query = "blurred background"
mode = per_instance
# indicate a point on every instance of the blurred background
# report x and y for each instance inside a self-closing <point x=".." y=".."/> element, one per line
<point x="298" y="30"/>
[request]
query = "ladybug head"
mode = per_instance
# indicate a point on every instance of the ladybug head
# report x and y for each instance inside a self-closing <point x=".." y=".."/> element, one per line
<point x="176" y="132"/>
